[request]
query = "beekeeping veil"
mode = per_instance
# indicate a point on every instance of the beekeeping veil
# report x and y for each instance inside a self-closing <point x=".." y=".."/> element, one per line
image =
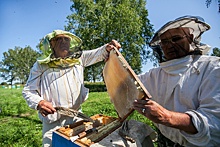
<point x="197" y="27"/>
<point x="47" y="52"/>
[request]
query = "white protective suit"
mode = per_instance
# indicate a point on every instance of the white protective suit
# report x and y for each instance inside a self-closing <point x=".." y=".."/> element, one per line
<point x="61" y="86"/>
<point x="189" y="85"/>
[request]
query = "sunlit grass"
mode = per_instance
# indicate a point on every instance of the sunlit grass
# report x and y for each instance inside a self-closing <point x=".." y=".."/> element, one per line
<point x="19" y="124"/>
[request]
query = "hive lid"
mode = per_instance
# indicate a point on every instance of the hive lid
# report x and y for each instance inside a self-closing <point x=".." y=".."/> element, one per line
<point x="123" y="85"/>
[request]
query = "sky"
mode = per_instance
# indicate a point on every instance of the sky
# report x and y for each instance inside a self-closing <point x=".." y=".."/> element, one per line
<point x="24" y="22"/>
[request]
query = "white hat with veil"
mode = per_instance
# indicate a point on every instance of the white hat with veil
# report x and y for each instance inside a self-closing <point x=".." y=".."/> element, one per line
<point x="197" y="27"/>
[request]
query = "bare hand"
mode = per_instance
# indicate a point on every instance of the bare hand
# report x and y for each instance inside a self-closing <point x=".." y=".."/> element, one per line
<point x="152" y="110"/>
<point x="159" y="114"/>
<point x="113" y="44"/>
<point x="45" y="108"/>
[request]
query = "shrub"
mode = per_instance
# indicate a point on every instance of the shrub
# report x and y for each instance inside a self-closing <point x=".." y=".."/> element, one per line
<point x="96" y="87"/>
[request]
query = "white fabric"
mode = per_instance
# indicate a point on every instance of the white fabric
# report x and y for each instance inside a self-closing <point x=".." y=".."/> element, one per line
<point x="49" y="128"/>
<point x="138" y="131"/>
<point x="61" y="86"/>
<point x="189" y="85"/>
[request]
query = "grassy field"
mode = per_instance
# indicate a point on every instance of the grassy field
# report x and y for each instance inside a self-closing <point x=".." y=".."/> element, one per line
<point x="20" y="126"/>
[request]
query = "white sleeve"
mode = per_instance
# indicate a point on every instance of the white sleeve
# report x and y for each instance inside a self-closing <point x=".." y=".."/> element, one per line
<point x="200" y="122"/>
<point x="90" y="57"/>
<point x="206" y="118"/>
<point x="31" y="91"/>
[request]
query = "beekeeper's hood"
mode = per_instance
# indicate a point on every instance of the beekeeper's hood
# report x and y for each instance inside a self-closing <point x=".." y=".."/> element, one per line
<point x="197" y="27"/>
<point x="75" y="43"/>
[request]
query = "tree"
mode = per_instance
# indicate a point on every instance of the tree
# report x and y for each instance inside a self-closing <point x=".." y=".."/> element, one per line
<point x="99" y="21"/>
<point x="216" y="52"/>
<point x="16" y="63"/>
<point x="208" y="2"/>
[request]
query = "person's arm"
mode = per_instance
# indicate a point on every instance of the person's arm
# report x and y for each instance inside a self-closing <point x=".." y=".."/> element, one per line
<point x="207" y="114"/>
<point x="45" y="108"/>
<point x="31" y="92"/>
<point x="159" y="114"/>
<point x="181" y="121"/>
<point x="90" y="57"/>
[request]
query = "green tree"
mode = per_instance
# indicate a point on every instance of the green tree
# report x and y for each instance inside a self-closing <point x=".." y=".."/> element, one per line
<point x="99" y="21"/>
<point x="16" y="63"/>
<point x="216" y="52"/>
<point x="208" y="2"/>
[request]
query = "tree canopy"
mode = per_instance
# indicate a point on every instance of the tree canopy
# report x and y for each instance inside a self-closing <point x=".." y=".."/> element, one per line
<point x="208" y="2"/>
<point x="216" y="52"/>
<point x="99" y="21"/>
<point x="16" y="63"/>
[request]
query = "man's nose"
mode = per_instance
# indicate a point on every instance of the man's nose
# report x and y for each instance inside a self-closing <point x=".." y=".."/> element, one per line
<point x="63" y="39"/>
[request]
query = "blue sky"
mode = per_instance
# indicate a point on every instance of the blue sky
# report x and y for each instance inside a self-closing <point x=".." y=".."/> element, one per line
<point x="25" y="22"/>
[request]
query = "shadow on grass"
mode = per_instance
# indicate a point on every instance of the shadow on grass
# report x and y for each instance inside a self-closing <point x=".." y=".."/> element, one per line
<point x="26" y="116"/>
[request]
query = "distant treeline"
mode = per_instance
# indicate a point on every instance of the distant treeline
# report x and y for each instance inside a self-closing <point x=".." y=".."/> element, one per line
<point x="93" y="86"/>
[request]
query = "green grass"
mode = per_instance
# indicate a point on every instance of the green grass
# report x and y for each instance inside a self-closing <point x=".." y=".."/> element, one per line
<point x="20" y="126"/>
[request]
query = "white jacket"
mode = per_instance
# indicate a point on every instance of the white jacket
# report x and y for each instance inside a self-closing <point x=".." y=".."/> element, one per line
<point x="189" y="85"/>
<point x="61" y="86"/>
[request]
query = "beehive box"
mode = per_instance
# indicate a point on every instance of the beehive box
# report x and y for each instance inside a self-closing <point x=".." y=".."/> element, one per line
<point x="123" y="87"/>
